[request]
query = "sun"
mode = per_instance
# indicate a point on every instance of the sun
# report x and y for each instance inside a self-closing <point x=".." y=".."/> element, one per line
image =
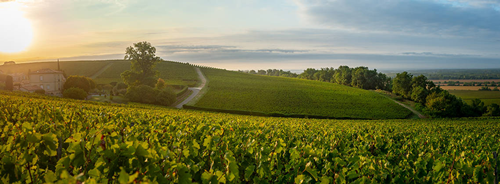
<point x="16" y="32"/>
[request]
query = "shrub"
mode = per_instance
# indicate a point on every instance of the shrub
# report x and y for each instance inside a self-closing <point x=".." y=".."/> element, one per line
<point x="75" y="93"/>
<point x="493" y="110"/>
<point x="142" y="94"/>
<point x="121" y="92"/>
<point x="81" y="82"/>
<point x="166" y="97"/>
<point x="40" y="91"/>
<point x="495" y="89"/>
<point x="160" y="84"/>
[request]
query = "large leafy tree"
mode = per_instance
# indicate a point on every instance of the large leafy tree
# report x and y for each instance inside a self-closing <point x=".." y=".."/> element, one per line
<point x="143" y="58"/>
<point x="402" y="84"/>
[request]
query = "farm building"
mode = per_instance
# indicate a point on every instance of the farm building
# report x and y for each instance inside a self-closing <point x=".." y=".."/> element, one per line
<point x="51" y="81"/>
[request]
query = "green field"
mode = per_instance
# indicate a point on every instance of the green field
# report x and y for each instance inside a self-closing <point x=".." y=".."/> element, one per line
<point x="488" y="97"/>
<point x="111" y="143"/>
<point x="245" y="92"/>
<point x="84" y="68"/>
<point x="173" y="73"/>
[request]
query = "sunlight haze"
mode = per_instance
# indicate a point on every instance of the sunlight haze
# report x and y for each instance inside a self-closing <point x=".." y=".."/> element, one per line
<point x="258" y="34"/>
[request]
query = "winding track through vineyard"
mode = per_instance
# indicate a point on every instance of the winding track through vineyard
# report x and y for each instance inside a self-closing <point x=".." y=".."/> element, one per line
<point x="196" y="90"/>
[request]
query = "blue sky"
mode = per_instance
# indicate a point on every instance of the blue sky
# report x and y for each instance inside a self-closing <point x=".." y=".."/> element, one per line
<point x="259" y="34"/>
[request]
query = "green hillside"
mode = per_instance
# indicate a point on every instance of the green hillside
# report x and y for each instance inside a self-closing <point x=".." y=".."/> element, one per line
<point x="84" y="68"/>
<point x="172" y="72"/>
<point x="46" y="139"/>
<point x="245" y="92"/>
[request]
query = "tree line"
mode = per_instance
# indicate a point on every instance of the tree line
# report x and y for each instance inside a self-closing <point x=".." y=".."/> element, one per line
<point x="360" y="77"/>
<point x="436" y="102"/>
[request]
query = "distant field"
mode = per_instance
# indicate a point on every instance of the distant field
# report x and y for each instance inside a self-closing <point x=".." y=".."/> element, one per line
<point x="245" y="92"/>
<point x="488" y="97"/>
<point x="85" y="68"/>
<point x="173" y="73"/>
<point x="467" y="88"/>
<point x="468" y="80"/>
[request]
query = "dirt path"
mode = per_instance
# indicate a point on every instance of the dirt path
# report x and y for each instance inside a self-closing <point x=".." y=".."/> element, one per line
<point x="412" y="110"/>
<point x="101" y="71"/>
<point x="196" y="90"/>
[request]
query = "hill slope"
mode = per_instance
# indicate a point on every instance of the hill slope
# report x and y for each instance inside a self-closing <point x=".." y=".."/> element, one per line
<point x="172" y="72"/>
<point x="239" y="91"/>
<point x="84" y="68"/>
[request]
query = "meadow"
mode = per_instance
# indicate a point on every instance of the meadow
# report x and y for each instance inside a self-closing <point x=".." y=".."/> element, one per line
<point x="47" y="139"/>
<point x="172" y="72"/>
<point x="83" y="68"/>
<point x="228" y="90"/>
<point x="488" y="97"/>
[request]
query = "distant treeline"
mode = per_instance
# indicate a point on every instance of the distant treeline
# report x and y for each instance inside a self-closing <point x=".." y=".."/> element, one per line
<point x="457" y="74"/>
<point x="360" y="77"/>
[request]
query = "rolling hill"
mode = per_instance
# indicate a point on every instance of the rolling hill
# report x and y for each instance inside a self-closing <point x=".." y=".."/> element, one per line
<point x="233" y="91"/>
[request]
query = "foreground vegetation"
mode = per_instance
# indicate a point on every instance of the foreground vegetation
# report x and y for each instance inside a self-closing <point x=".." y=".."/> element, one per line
<point x="46" y="139"/>
<point x="236" y="91"/>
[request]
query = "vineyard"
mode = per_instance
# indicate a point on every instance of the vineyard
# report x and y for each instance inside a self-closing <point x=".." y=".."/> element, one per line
<point x="173" y="73"/>
<point x="83" y="68"/>
<point x="229" y="90"/>
<point x="47" y="140"/>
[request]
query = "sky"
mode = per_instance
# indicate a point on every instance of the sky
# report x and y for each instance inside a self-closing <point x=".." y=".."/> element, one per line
<point x="259" y="34"/>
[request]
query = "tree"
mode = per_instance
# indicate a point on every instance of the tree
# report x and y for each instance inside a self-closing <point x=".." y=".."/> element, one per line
<point x="401" y="85"/>
<point x="143" y="58"/>
<point x="443" y="104"/>
<point x="81" y="82"/>
<point x="343" y="75"/>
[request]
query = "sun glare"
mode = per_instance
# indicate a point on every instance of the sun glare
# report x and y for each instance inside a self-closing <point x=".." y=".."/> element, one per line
<point x="16" y="32"/>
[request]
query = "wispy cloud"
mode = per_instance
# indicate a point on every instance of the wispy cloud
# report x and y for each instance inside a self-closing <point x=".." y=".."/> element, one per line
<point x="409" y="17"/>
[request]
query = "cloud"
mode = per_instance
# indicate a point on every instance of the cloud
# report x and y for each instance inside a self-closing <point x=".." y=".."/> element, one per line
<point x="436" y="17"/>
<point x="218" y="48"/>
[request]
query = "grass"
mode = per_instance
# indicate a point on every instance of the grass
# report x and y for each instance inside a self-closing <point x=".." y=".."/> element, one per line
<point x="173" y="73"/>
<point x="84" y="68"/>
<point x="488" y="97"/>
<point x="245" y="92"/>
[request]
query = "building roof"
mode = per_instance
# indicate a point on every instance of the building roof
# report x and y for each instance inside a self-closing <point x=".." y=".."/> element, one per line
<point x="45" y="71"/>
<point x="31" y="88"/>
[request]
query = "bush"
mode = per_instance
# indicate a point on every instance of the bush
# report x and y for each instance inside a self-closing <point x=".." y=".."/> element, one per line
<point x="147" y="94"/>
<point x="81" y="82"/>
<point x="75" y="93"/>
<point x="119" y="88"/>
<point x="121" y="92"/>
<point x="166" y="97"/>
<point x="493" y="110"/>
<point x="142" y="94"/>
<point x="495" y="89"/>
<point x="40" y="91"/>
